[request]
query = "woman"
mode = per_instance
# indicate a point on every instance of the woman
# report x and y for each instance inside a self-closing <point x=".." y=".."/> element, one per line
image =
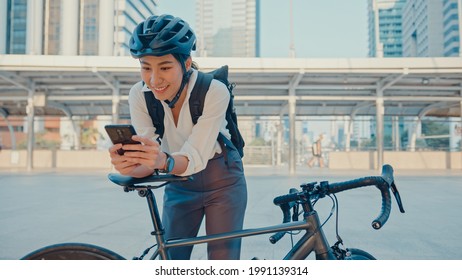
<point x="218" y="190"/>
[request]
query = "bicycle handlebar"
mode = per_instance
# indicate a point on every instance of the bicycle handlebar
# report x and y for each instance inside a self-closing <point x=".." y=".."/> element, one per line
<point x="312" y="191"/>
<point x="383" y="183"/>
<point x="285" y="207"/>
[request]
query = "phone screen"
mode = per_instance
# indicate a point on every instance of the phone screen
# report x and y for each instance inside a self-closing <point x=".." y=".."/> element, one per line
<point x="121" y="133"/>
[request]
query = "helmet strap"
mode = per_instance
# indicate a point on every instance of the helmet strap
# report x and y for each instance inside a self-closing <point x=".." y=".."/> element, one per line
<point x="184" y="81"/>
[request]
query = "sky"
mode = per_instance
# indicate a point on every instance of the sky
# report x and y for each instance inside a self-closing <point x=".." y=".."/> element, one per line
<point x="322" y="28"/>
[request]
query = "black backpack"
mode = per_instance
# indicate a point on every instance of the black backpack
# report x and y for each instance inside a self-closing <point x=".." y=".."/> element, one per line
<point x="196" y="106"/>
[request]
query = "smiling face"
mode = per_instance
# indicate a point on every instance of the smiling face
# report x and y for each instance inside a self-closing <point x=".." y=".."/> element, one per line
<point x="163" y="75"/>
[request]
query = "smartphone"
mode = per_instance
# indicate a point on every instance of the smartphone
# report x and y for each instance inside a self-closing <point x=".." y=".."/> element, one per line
<point x="121" y="133"/>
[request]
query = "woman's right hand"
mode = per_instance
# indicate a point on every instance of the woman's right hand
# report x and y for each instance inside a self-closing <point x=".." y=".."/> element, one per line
<point x="120" y="162"/>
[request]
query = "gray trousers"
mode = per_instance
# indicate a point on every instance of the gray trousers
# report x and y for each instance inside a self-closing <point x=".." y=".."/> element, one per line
<point x="218" y="193"/>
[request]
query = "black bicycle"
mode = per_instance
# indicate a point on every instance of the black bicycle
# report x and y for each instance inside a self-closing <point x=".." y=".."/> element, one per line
<point x="293" y="205"/>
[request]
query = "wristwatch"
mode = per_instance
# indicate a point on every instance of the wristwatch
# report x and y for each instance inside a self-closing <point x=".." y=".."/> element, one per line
<point x="169" y="164"/>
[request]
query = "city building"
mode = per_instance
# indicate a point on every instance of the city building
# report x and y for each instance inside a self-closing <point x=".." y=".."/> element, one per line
<point x="70" y="27"/>
<point x="228" y="28"/>
<point x="385" y="34"/>
<point x="451" y="27"/>
<point x="423" y="28"/>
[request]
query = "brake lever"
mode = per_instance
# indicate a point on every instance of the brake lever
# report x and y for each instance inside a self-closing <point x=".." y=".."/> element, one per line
<point x="295" y="210"/>
<point x="394" y="189"/>
<point x="294" y="206"/>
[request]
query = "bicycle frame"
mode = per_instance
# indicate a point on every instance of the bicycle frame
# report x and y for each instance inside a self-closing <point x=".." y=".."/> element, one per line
<point x="313" y="239"/>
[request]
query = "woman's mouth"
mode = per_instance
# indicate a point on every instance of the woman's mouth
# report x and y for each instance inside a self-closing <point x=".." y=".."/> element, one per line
<point x="160" y="90"/>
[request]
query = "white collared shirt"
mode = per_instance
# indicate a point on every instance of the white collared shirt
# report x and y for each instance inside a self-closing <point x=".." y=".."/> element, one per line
<point x="197" y="142"/>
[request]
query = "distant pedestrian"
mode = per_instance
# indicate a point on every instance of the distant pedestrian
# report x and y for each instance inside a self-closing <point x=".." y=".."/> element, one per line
<point x="316" y="151"/>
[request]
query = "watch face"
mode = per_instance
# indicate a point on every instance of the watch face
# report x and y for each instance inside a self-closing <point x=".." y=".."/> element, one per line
<point x="170" y="164"/>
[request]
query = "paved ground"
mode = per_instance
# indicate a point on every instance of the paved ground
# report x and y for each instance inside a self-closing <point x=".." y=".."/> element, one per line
<point x="52" y="206"/>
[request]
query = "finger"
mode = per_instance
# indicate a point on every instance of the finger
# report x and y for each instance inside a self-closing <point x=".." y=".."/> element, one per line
<point x="114" y="152"/>
<point x="143" y="151"/>
<point x="126" y="170"/>
<point x="146" y="161"/>
<point x="147" y="145"/>
<point x="122" y="164"/>
<point x="114" y="148"/>
<point x="145" y="140"/>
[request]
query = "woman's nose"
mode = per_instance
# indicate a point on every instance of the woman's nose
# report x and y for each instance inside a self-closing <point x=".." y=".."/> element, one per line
<point x="155" y="80"/>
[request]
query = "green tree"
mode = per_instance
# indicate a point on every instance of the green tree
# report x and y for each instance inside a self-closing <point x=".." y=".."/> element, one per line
<point x="430" y="128"/>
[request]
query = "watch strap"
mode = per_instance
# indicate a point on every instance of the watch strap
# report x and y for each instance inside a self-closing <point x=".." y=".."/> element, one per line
<point x="166" y="169"/>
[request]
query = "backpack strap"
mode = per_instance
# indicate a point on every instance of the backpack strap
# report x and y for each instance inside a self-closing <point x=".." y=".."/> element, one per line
<point x="197" y="98"/>
<point x="196" y="106"/>
<point x="156" y="112"/>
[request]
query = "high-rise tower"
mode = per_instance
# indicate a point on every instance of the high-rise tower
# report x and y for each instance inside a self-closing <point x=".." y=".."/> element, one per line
<point x="452" y="27"/>
<point x="228" y="28"/>
<point x="423" y="28"/>
<point x="70" y="27"/>
<point x="385" y="31"/>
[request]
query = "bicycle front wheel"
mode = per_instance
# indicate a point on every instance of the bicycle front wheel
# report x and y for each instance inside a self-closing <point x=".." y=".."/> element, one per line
<point x="73" y="251"/>
<point x="358" y="254"/>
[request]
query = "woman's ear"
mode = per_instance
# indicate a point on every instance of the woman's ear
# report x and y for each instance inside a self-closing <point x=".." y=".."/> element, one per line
<point x="188" y="63"/>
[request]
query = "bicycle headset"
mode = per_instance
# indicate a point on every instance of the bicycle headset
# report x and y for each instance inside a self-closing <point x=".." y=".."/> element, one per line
<point x="162" y="35"/>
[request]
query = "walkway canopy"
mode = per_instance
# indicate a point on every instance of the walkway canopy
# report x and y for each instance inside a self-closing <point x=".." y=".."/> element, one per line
<point x="89" y="86"/>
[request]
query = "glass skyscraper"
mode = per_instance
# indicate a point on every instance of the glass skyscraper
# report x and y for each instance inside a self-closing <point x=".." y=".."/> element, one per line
<point x="451" y="28"/>
<point x="228" y="28"/>
<point x="70" y="27"/>
<point x="385" y="29"/>
<point x="423" y="28"/>
<point x="414" y="28"/>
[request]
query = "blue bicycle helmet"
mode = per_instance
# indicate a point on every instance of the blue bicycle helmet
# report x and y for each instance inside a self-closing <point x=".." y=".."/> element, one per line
<point x="162" y="35"/>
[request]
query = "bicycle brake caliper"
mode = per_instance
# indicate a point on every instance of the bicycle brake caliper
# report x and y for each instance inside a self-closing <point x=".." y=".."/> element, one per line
<point x="339" y="253"/>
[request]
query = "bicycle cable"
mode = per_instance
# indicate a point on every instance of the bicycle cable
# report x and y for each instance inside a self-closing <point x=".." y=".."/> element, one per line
<point x="339" y="239"/>
<point x="334" y="206"/>
<point x="144" y="253"/>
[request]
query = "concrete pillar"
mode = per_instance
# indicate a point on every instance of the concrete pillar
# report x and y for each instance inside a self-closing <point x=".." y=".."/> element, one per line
<point x="273" y="130"/>
<point x="412" y="134"/>
<point x="280" y="131"/>
<point x="292" y="142"/>
<point x="396" y="133"/>
<point x="115" y="102"/>
<point x="106" y="28"/>
<point x="3" y="21"/>
<point x="380" y="110"/>
<point x="348" y="131"/>
<point x="69" y="27"/>
<point x="30" y="109"/>
<point x="292" y="114"/>
<point x="34" y="33"/>
<point x="454" y="134"/>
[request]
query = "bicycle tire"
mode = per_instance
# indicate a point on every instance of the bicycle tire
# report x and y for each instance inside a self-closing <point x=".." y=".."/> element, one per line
<point x="358" y="254"/>
<point x="73" y="251"/>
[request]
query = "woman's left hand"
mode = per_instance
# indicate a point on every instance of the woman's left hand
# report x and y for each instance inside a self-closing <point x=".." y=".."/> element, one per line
<point x="147" y="154"/>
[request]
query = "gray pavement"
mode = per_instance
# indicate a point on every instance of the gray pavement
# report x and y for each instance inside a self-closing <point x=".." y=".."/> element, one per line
<point x="44" y="207"/>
